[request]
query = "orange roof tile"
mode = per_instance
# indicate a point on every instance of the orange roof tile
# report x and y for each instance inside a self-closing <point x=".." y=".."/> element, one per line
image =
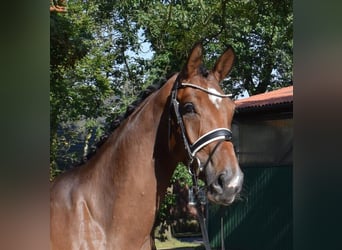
<point x="283" y="95"/>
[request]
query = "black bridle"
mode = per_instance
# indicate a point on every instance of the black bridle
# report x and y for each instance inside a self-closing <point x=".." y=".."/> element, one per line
<point x="218" y="134"/>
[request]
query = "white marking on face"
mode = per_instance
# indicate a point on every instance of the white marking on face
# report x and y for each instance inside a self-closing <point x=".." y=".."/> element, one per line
<point x="215" y="99"/>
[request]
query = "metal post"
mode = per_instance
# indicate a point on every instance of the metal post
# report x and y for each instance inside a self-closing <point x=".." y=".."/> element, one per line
<point x="202" y="222"/>
<point x="222" y="239"/>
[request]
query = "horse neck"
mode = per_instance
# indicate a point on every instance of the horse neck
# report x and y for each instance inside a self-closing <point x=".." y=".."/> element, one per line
<point x="137" y="155"/>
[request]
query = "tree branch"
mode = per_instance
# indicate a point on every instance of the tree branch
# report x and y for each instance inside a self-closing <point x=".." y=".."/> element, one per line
<point x="56" y="7"/>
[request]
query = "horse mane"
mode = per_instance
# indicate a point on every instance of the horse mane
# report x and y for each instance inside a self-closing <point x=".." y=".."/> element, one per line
<point x="130" y="109"/>
<point x="157" y="84"/>
<point x="122" y="117"/>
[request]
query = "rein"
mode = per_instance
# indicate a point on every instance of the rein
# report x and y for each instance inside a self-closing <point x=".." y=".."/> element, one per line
<point x="219" y="135"/>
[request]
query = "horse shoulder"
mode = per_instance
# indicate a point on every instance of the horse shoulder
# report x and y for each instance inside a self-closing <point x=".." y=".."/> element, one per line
<point x="91" y="234"/>
<point x="148" y="244"/>
<point x="63" y="189"/>
<point x="71" y="216"/>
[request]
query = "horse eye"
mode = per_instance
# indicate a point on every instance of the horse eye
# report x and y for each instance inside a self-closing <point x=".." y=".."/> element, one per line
<point x="188" y="108"/>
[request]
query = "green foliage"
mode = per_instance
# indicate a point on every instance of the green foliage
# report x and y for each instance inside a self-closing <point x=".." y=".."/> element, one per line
<point x="90" y="72"/>
<point x="96" y="67"/>
<point x="182" y="177"/>
<point x="164" y="208"/>
<point x="259" y="31"/>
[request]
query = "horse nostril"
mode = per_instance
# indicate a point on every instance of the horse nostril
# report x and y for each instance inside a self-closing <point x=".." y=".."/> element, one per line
<point x="218" y="185"/>
<point x="225" y="181"/>
<point x="220" y="180"/>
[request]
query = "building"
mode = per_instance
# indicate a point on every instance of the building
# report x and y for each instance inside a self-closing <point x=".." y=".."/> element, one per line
<point x="263" y="139"/>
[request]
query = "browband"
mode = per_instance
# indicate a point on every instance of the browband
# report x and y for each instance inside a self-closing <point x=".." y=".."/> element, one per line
<point x="186" y="84"/>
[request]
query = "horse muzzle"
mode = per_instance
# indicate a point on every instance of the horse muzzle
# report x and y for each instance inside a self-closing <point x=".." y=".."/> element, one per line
<point x="225" y="187"/>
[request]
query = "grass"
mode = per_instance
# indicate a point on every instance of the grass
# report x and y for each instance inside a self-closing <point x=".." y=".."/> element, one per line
<point x="174" y="243"/>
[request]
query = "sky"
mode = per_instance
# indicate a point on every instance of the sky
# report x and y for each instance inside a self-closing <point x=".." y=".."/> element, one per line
<point x="146" y="53"/>
<point x="145" y="48"/>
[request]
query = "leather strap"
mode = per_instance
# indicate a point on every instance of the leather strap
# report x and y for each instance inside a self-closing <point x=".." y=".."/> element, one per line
<point x="220" y="134"/>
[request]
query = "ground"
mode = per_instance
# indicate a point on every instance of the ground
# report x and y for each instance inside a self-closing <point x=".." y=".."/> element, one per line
<point x="194" y="243"/>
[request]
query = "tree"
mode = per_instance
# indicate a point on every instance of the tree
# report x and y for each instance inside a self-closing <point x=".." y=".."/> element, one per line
<point x="259" y="31"/>
<point x="91" y="75"/>
<point x="58" y="6"/>
<point x="96" y="70"/>
<point x="175" y="206"/>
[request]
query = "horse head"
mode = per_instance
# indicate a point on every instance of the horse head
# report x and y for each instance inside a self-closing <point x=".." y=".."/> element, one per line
<point x="202" y="117"/>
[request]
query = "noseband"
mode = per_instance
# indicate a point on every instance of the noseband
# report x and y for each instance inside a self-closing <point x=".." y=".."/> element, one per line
<point x="218" y="134"/>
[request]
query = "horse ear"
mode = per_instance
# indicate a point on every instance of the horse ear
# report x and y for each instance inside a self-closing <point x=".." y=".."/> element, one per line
<point x="224" y="64"/>
<point x="194" y="62"/>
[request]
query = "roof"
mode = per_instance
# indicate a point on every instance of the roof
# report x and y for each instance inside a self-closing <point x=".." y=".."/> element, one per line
<point x="272" y="98"/>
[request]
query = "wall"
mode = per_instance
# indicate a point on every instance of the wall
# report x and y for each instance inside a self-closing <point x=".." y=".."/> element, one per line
<point x="262" y="218"/>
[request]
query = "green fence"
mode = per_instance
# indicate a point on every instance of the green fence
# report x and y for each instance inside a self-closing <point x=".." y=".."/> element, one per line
<point x="262" y="219"/>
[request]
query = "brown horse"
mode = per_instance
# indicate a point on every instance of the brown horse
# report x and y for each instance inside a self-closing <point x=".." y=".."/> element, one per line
<point x="110" y="202"/>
